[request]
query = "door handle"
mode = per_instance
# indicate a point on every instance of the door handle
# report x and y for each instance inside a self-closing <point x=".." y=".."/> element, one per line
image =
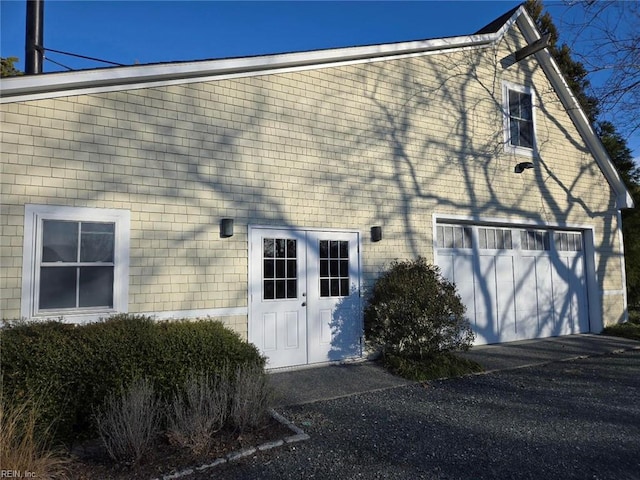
<point x="304" y="304"/>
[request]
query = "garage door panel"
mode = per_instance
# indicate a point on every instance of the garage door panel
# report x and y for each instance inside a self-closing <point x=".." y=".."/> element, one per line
<point x="526" y="298"/>
<point x="459" y="269"/>
<point x="486" y="302"/>
<point x="505" y="291"/>
<point x="571" y="307"/>
<point x="465" y="282"/>
<point x="545" y="293"/>
<point x="580" y="292"/>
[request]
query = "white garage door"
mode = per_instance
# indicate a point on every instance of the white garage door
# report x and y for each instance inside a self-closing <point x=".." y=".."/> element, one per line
<point x="516" y="283"/>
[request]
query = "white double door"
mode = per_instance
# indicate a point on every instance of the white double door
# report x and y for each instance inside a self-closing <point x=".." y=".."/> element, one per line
<point x="304" y="295"/>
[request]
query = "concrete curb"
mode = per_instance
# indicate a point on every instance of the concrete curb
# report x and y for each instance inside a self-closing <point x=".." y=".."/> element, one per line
<point x="298" y="436"/>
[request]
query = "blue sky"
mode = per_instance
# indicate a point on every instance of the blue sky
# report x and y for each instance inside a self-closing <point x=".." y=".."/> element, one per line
<point x="131" y="32"/>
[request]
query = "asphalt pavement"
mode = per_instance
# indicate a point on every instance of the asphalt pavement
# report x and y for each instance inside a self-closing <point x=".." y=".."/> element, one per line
<point x="576" y="416"/>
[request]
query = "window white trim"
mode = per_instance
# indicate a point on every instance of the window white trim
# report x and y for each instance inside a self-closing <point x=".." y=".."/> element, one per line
<point x="508" y="147"/>
<point x="33" y="218"/>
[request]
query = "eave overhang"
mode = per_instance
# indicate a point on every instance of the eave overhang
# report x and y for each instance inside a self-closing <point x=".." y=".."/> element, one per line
<point x="52" y="85"/>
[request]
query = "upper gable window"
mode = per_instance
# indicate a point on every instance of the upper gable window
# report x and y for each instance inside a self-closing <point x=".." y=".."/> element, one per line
<point x="519" y="119"/>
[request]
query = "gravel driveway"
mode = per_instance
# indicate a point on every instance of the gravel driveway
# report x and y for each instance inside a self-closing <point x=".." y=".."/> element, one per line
<point x="567" y="420"/>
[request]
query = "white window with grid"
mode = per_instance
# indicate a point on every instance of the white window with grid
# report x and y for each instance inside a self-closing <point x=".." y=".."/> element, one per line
<point x="75" y="261"/>
<point x="519" y="119"/>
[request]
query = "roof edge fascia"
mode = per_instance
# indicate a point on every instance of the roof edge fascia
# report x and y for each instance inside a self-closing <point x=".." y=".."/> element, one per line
<point x="577" y="114"/>
<point x="15" y="89"/>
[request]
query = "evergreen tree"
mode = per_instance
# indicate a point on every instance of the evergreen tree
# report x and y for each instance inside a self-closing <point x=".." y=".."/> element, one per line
<point x="8" y="68"/>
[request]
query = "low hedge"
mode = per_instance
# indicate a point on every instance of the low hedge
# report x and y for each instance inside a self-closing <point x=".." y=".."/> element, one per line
<point x="72" y="369"/>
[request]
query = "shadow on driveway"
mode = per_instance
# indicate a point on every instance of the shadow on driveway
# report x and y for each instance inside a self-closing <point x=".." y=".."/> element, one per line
<point x="572" y="419"/>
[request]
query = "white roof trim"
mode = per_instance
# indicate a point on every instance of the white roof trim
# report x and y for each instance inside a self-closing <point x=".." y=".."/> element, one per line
<point x="575" y="112"/>
<point x="22" y="88"/>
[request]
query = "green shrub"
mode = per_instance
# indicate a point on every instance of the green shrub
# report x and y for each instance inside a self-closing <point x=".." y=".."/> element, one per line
<point x="79" y="366"/>
<point x="415" y="313"/>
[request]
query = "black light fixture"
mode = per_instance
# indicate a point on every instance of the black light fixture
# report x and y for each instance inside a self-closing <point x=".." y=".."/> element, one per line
<point x="226" y="227"/>
<point x="376" y="234"/>
<point x="522" y="166"/>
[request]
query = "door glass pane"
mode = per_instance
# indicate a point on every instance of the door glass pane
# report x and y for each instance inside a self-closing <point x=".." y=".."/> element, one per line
<point x="269" y="289"/>
<point x="58" y="287"/>
<point x="324" y="287"/>
<point x="344" y="287"/>
<point x="482" y="235"/>
<point x="59" y="241"/>
<point x="334" y="249"/>
<point x="334" y="268"/>
<point x="344" y="268"/>
<point x="324" y="268"/>
<point x="324" y="249"/>
<point x="291" y="269"/>
<point x="269" y="268"/>
<point x="269" y="248"/>
<point x="292" y="287"/>
<point x="280" y="268"/>
<point x="508" y="242"/>
<point x="467" y="236"/>
<point x="96" y="287"/>
<point x="335" y="287"/>
<point x="291" y="248"/>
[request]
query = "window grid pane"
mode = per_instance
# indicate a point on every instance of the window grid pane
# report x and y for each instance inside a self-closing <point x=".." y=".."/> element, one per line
<point x="495" y="238"/>
<point x="279" y="268"/>
<point x="59" y="241"/>
<point x="66" y="281"/>
<point x="534" y="240"/>
<point x="520" y="119"/>
<point x="448" y="236"/>
<point x="334" y="268"/>
<point x="568" y="241"/>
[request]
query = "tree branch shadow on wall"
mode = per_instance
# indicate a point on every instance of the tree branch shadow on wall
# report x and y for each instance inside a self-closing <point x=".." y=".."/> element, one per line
<point x="432" y="120"/>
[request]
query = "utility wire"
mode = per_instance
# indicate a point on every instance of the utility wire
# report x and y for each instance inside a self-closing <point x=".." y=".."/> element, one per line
<point x="58" y="63"/>
<point x="79" y="56"/>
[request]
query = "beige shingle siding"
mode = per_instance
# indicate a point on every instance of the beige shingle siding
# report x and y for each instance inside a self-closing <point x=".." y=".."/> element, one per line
<point x="383" y="143"/>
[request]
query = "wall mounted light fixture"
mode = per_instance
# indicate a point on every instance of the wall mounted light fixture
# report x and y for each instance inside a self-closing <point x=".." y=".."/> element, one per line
<point x="376" y="234"/>
<point x="226" y="227"/>
<point x="522" y="166"/>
